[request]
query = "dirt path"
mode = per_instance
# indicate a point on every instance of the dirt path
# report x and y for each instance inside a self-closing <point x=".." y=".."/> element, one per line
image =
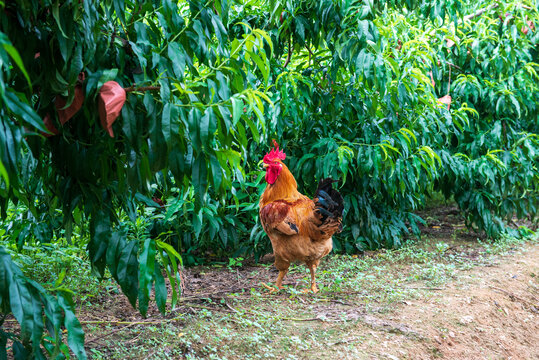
<point x="485" y="313"/>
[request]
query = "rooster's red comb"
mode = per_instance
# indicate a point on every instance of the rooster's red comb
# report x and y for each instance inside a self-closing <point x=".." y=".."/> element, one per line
<point x="274" y="154"/>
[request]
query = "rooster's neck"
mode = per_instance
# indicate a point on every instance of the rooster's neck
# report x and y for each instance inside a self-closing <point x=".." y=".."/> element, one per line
<point x="285" y="187"/>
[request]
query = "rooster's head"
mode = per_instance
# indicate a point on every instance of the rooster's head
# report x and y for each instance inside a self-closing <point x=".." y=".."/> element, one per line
<point x="273" y="163"/>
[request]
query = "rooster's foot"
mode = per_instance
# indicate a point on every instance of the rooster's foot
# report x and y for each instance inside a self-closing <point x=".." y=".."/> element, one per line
<point x="271" y="288"/>
<point x="313" y="289"/>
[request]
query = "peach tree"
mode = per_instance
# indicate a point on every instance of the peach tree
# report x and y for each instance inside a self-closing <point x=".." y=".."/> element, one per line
<point x="141" y="124"/>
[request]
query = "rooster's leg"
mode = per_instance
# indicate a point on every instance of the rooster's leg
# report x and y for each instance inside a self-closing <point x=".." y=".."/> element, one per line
<point x="281" y="265"/>
<point x="278" y="282"/>
<point x="314" y="288"/>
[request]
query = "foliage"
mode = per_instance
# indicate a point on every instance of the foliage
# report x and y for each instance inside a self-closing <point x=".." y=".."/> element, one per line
<point x="366" y="95"/>
<point x="36" y="309"/>
<point x="343" y="86"/>
<point x="492" y="167"/>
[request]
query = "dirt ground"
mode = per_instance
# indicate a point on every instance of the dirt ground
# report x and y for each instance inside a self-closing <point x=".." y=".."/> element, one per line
<point x="488" y="313"/>
<point x="451" y="296"/>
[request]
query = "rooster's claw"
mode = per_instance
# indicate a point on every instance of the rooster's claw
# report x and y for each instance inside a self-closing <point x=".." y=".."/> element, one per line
<point x="270" y="288"/>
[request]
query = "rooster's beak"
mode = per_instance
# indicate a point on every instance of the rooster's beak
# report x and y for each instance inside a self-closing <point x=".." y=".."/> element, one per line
<point x="265" y="166"/>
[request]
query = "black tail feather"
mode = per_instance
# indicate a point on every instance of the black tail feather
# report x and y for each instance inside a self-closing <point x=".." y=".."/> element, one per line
<point x="328" y="201"/>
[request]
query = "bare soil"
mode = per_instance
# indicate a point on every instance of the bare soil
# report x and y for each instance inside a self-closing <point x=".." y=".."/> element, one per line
<point x="487" y="313"/>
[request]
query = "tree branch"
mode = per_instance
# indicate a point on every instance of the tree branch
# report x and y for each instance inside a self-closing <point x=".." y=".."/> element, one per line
<point x="449" y="82"/>
<point x="310" y="53"/>
<point x="289" y="52"/>
<point x="142" y="88"/>
<point x="481" y="11"/>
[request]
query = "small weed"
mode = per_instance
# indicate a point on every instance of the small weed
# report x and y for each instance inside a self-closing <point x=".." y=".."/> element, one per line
<point x="433" y="274"/>
<point x="441" y="247"/>
<point x="235" y="262"/>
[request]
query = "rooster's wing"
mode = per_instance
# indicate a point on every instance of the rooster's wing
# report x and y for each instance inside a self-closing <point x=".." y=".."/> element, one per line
<point x="280" y="216"/>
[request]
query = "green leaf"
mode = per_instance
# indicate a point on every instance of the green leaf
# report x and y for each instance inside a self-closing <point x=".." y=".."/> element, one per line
<point x="56" y="15"/>
<point x="515" y="104"/>
<point x="166" y="124"/>
<point x="19" y="299"/>
<point x="177" y="56"/>
<point x="106" y="75"/>
<point x="119" y="8"/>
<point x="146" y="273"/>
<point x="128" y="271"/>
<point x="216" y="171"/>
<point x="193" y="120"/>
<point x="224" y="91"/>
<point x="171" y="268"/>
<point x="254" y="129"/>
<point x="36" y="309"/>
<point x="4" y="174"/>
<point x="237" y="109"/>
<point x="10" y="49"/>
<point x="129" y="123"/>
<point x="100" y="229"/>
<point x="205" y="126"/>
<point x="18" y="104"/>
<point x="169" y="249"/>
<point x="264" y="69"/>
<point x="160" y="289"/>
<point x="75" y="334"/>
<point x="200" y="181"/>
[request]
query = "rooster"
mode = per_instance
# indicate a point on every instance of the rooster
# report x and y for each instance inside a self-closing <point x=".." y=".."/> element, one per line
<point x="300" y="229"/>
